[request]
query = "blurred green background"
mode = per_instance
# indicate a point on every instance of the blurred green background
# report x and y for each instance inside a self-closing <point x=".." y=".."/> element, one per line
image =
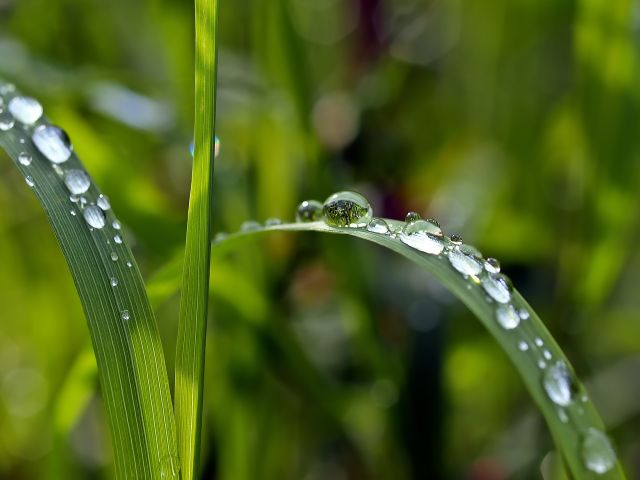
<point x="515" y="123"/>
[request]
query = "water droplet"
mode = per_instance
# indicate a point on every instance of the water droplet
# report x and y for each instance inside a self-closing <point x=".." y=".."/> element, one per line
<point x="220" y="236"/>
<point x="117" y="239"/>
<point x="25" y="159"/>
<point x="523" y="346"/>
<point x="170" y="467"/>
<point x="524" y="314"/>
<point x="73" y="213"/>
<point x="26" y="109"/>
<point x="116" y="225"/>
<point x="378" y="225"/>
<point x="129" y="264"/>
<point x="125" y="315"/>
<point x="114" y="256"/>
<point x="309" y="211"/>
<point x="465" y="263"/>
<point x="94" y="216"/>
<point x="498" y="286"/>
<point x="597" y="453"/>
<point x="542" y="364"/>
<point x="539" y="341"/>
<point x="7" y="88"/>
<point x="103" y="202"/>
<point x="250" y="226"/>
<point x="114" y="282"/>
<point x="77" y="181"/>
<point x="423" y="235"/>
<point x="507" y="316"/>
<point x="216" y="147"/>
<point x="547" y="354"/>
<point x="559" y="384"/>
<point x="53" y="143"/>
<point x="412" y="217"/>
<point x="457" y="240"/>
<point x="272" y="222"/>
<point x="30" y="181"/>
<point x="347" y="209"/>
<point x="492" y="265"/>
<point x="6" y="120"/>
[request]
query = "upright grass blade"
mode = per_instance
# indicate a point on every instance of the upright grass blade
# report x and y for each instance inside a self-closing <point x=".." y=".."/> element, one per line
<point x="571" y="423"/>
<point x="123" y="330"/>
<point x="190" y="348"/>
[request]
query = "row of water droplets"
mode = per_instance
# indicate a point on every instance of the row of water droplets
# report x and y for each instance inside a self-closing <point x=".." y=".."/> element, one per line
<point x="24" y="116"/>
<point x="352" y="210"/>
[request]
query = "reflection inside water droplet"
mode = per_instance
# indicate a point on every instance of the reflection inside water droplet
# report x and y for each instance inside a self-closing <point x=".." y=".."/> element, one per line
<point x="347" y="209"/>
<point x="597" y="453"/>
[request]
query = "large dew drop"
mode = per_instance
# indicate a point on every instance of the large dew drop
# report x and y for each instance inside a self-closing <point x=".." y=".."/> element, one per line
<point x="423" y="235"/>
<point x="498" y="287"/>
<point x="77" y="181"/>
<point x="25" y="109"/>
<point x="507" y="317"/>
<point x="309" y="211"/>
<point x="94" y="216"/>
<point x="53" y="143"/>
<point x="559" y="384"/>
<point x="347" y="209"/>
<point x="465" y="260"/>
<point x="597" y="453"/>
<point x="6" y="120"/>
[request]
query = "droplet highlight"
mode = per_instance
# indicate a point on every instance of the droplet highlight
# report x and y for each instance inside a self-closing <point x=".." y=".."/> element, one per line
<point x="559" y="384"/>
<point x="26" y="110"/>
<point x="498" y="287"/>
<point x="77" y="181"/>
<point x="507" y="317"/>
<point x="309" y="211"/>
<point x="597" y="452"/>
<point x="53" y="143"/>
<point x="94" y="217"/>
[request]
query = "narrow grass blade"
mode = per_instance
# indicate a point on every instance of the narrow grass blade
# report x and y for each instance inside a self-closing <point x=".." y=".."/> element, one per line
<point x="123" y="330"/>
<point x="190" y="348"/>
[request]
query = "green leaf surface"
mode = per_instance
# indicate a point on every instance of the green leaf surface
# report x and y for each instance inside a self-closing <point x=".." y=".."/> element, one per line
<point x="123" y="329"/>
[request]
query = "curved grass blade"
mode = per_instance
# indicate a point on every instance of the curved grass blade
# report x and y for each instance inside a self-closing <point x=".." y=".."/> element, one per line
<point x="121" y="323"/>
<point x="190" y="347"/>
<point x="529" y="345"/>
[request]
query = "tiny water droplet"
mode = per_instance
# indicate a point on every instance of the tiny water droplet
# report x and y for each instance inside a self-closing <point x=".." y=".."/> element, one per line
<point x="464" y="261"/>
<point x="272" y="222"/>
<point x="220" y="236"/>
<point x="25" y="109"/>
<point x="492" y="265"/>
<point x="547" y="354"/>
<point x="53" y="143"/>
<point x="7" y="88"/>
<point x="117" y="239"/>
<point x="457" y="240"/>
<point x="216" y="147"/>
<point x="250" y="226"/>
<point x="597" y="452"/>
<point x="116" y="225"/>
<point x="378" y="225"/>
<point x="412" y="217"/>
<point x="309" y="211"/>
<point x="507" y="316"/>
<point x="129" y="264"/>
<point x="559" y="384"/>
<point x="125" y="315"/>
<point x="30" y="181"/>
<point x="6" y="120"/>
<point x="114" y="256"/>
<point x="114" y="282"/>
<point x="498" y="286"/>
<point x="423" y="235"/>
<point x="73" y="213"/>
<point x="542" y="364"/>
<point x="523" y="346"/>
<point x="524" y="314"/>
<point x="94" y="216"/>
<point x="103" y="202"/>
<point x="539" y="341"/>
<point x="77" y="181"/>
<point x="170" y="467"/>
<point x="25" y="159"/>
<point x="347" y="209"/>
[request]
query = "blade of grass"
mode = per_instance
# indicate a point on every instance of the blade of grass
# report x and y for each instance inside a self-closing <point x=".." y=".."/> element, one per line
<point x="123" y="330"/>
<point x="190" y="347"/>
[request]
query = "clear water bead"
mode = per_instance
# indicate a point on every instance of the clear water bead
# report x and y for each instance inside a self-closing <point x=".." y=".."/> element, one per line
<point x="597" y="452"/>
<point x="125" y="315"/>
<point x="26" y="110"/>
<point x="507" y="316"/>
<point x="250" y="226"/>
<point x="423" y="235"/>
<point x="538" y="341"/>
<point x="347" y="209"/>
<point x="117" y="239"/>
<point x="116" y="225"/>
<point x="412" y="217"/>
<point x="114" y="256"/>
<point x="523" y="346"/>
<point x="464" y="261"/>
<point x="216" y="147"/>
<point x="114" y="282"/>
<point x="77" y="181"/>
<point x="492" y="265"/>
<point x="498" y="286"/>
<point x="220" y="236"/>
<point x="53" y="143"/>
<point x="30" y="181"/>
<point x="94" y="217"/>
<point x="309" y="211"/>
<point x="25" y="159"/>
<point x="524" y="314"/>
<point x="272" y="222"/>
<point x="559" y="384"/>
<point x="378" y="225"/>
<point x="103" y="202"/>
<point x="6" y="120"/>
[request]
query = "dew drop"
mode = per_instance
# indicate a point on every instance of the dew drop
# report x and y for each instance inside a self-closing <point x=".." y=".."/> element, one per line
<point x="559" y="384"/>
<point x="117" y="239"/>
<point x="492" y="265"/>
<point x="94" y="216"/>
<point x="25" y="159"/>
<point x="6" y="120"/>
<point x="77" y="181"/>
<point x="347" y="209"/>
<point x="538" y="341"/>
<point x="542" y="364"/>
<point x="250" y="226"/>
<point x="30" y="181"/>
<point x="125" y="315"/>
<point x="114" y="256"/>
<point x="378" y="225"/>
<point x="7" y="88"/>
<point x="412" y="217"/>
<point x="220" y="236"/>
<point x="457" y="240"/>
<point x="597" y="453"/>
<point x="103" y="202"/>
<point x="423" y="235"/>
<point x="216" y="148"/>
<point x="114" y="282"/>
<point x="523" y="346"/>
<point x="272" y="222"/>
<point x="547" y="354"/>
<point x="465" y="263"/>
<point x="507" y="316"/>
<point x="73" y="213"/>
<point x="53" y="143"/>
<point x="25" y="109"/>
<point x="524" y="314"/>
<point x="129" y="264"/>
<point x="498" y="286"/>
<point x="116" y="225"/>
<point x="309" y="211"/>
